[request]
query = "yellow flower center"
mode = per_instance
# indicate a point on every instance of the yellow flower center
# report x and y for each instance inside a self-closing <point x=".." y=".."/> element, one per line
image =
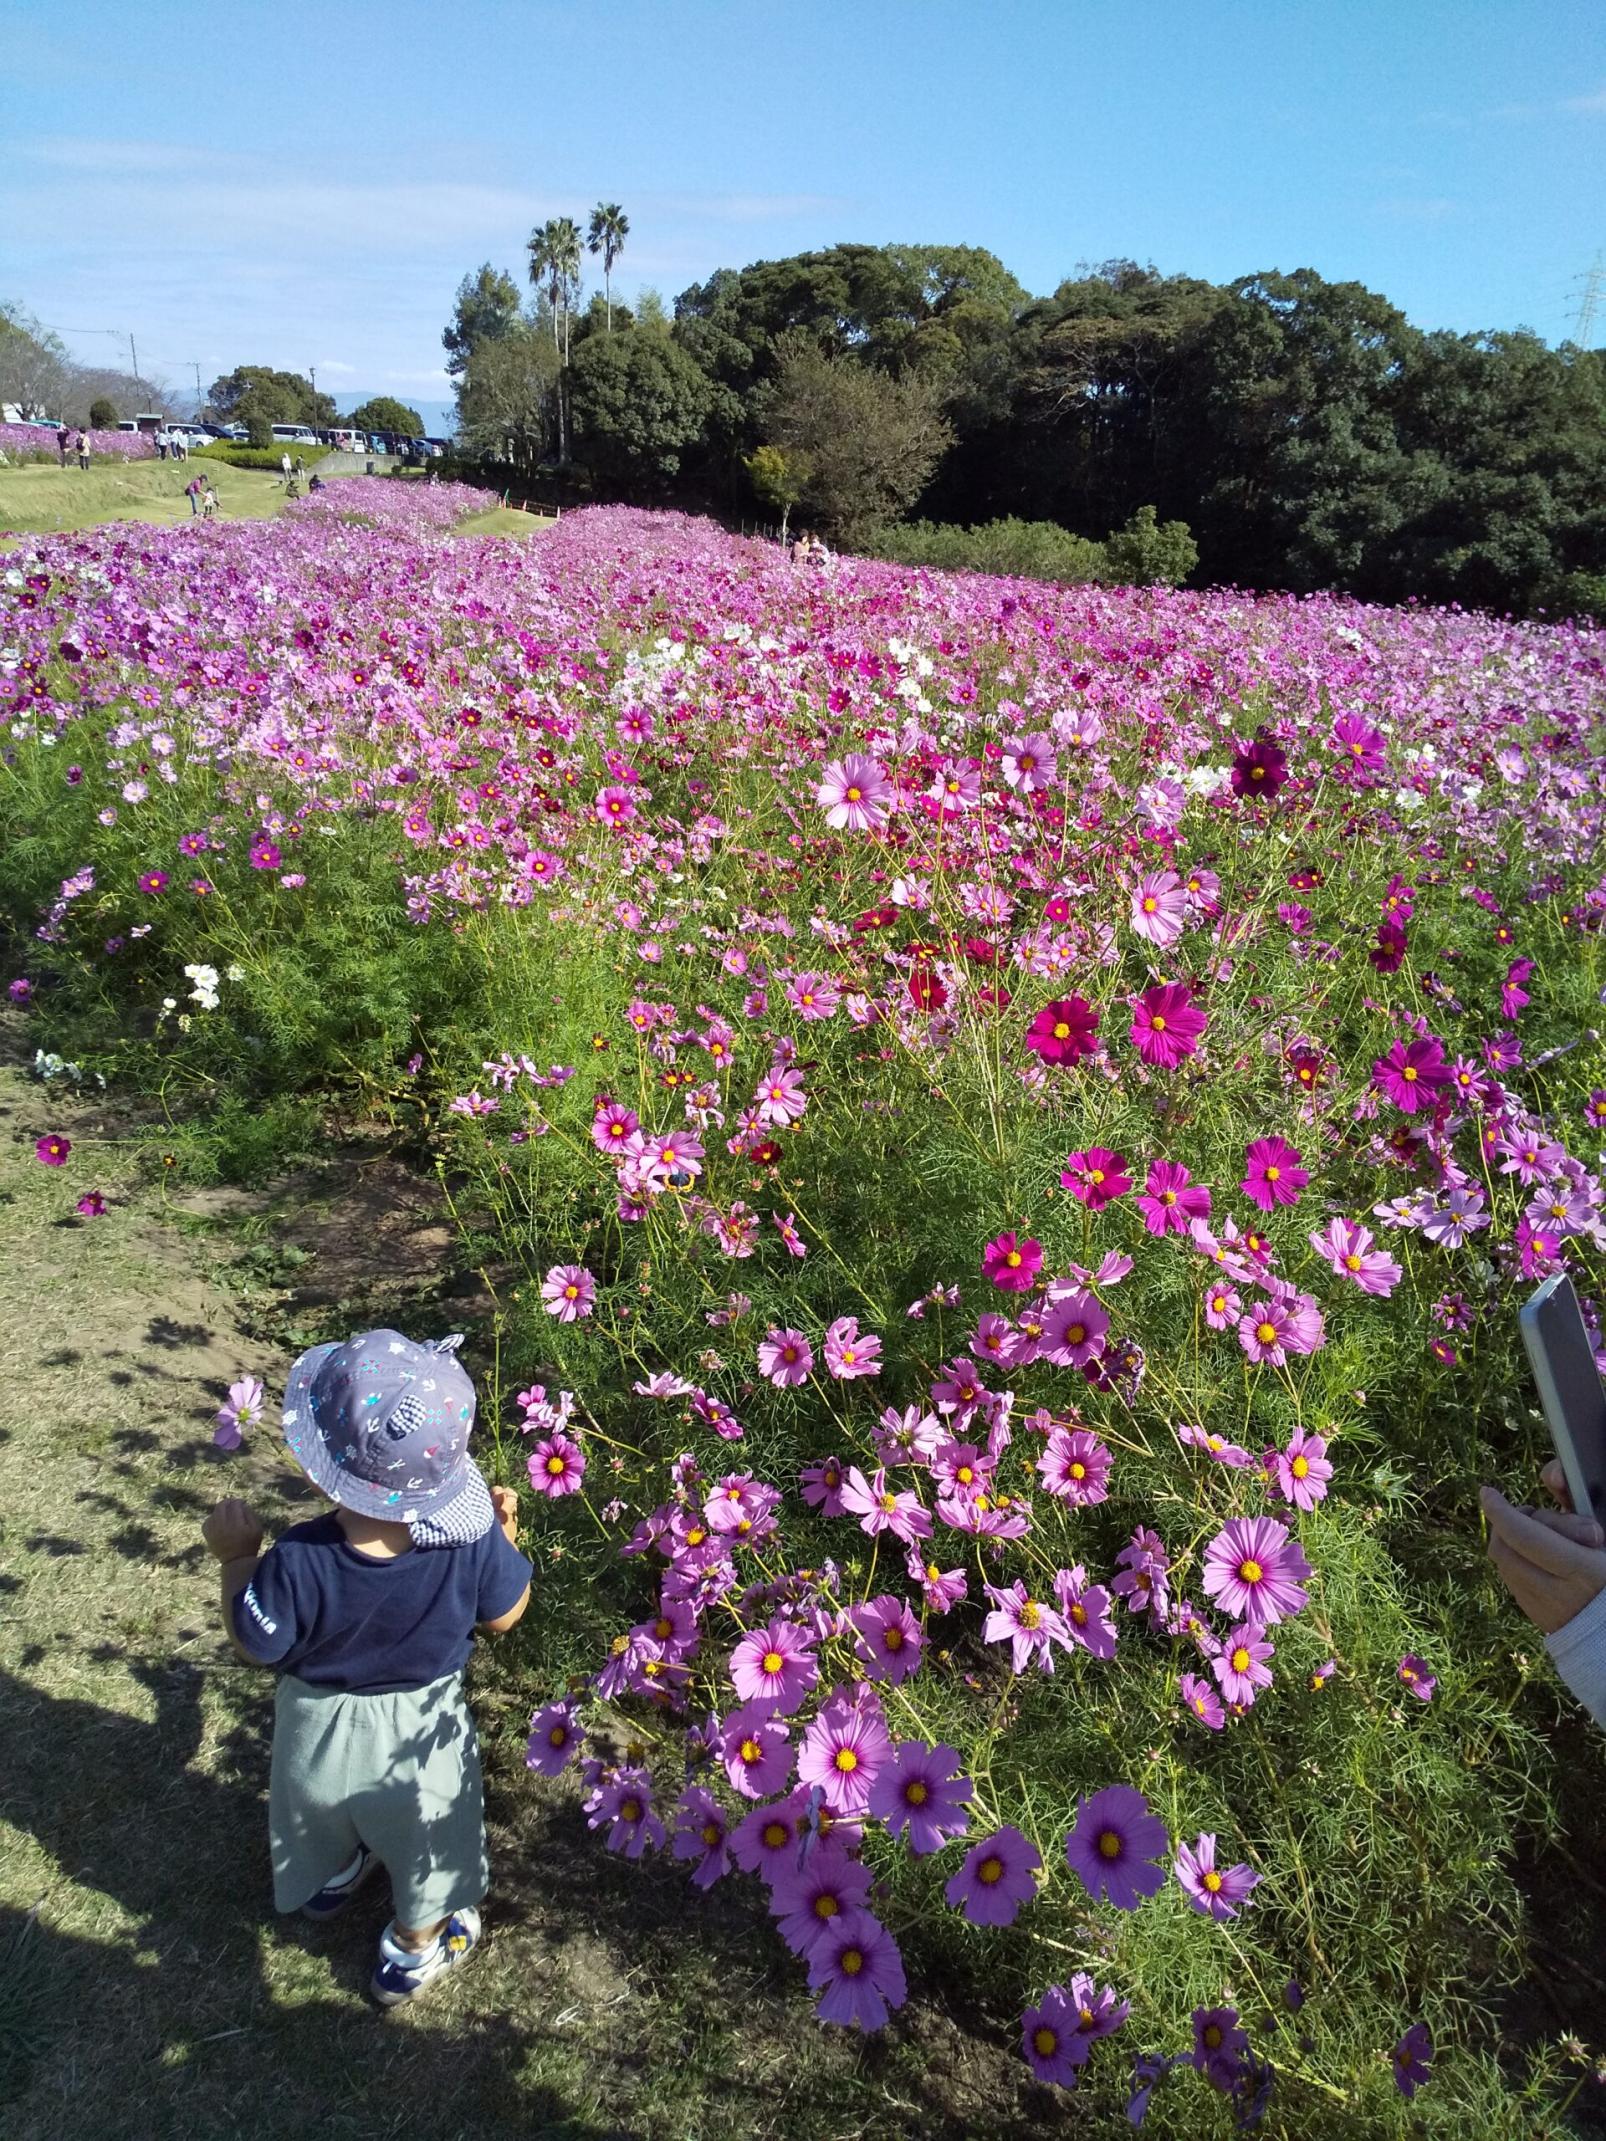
<point x="1250" y="1572"/>
<point x="826" y="1906"/>
<point x="1157" y="1024"/>
<point x="558" y="1736"/>
<point x="915" y="1793"/>
<point x="1031" y="1614"/>
<point x="1267" y="1334"/>
<point x="1212" y="1881"/>
<point x="1077" y="1334"/>
<point x="1109" y="1844"/>
<point x="775" y="1834"/>
<point x="892" y="1638"/>
<point x="889" y="1503"/>
<point x="1240" y="1660"/>
<point x="990" y="1872"/>
<point x="1013" y="1260"/>
<point x="1212" y="2031"/>
<point x="554" y="1465"/>
<point x="1410" y="1074"/>
<point x="1352" y="1262"/>
<point x="711" y="1833"/>
<point x="1044" y="2043"/>
<point x="1274" y="1174"/>
<point x="851" y="1961"/>
<point x="630" y="1810"/>
<point x="751" y="1751"/>
<point x="1151" y="905"/>
<point x="846" y="1760"/>
<point x="1079" y="1613"/>
<point x="1078" y="1470"/>
<point x="855" y="795"/>
<point x="773" y="1661"/>
<point x="1300" y="1467"/>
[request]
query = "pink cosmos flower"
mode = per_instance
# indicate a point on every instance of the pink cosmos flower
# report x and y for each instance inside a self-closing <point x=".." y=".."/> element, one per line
<point x="1113" y="1844"/>
<point x="1064" y="1031"/>
<point x="91" y="1205"/>
<point x="1263" y="1331"/>
<point x="1412" y="1074"/>
<point x="568" y="1292"/>
<point x="1240" y="1664"/>
<point x="702" y="1832"/>
<point x="1347" y="1246"/>
<point x="52" y="1151"/>
<point x="822" y="1486"/>
<point x="1171" y="1199"/>
<point x="1159" y="908"/>
<point x="1216" y="1891"/>
<point x="1089" y="1611"/>
<point x="1302" y="1470"/>
<point x="239" y="1412"/>
<point x="1012" y="1263"/>
<point x="1075" y="1329"/>
<point x="786" y="1227"/>
<point x="756" y="1750"/>
<point x="557" y="1466"/>
<point x="882" y="1508"/>
<point x="1028" y="1626"/>
<point x="855" y="794"/>
<point x="612" y="1127"/>
<point x="922" y="1794"/>
<point x="1029" y="763"/>
<point x="1255" y="1570"/>
<point x="1200" y="1700"/>
<point x="844" y="1750"/>
<point x="625" y="1804"/>
<point x="1075" y="1466"/>
<point x="1095" y="1177"/>
<point x="850" y="1353"/>
<point x="995" y="1878"/>
<point x="785" y="1357"/>
<point x="780" y="1098"/>
<point x="1222" y="1307"/>
<point x="1167" y="1025"/>
<point x="775" y="1665"/>
<point x="1216" y="1447"/>
<point x="858" y="1973"/>
<point x="1274" y="1175"/>
<point x="890" y="1642"/>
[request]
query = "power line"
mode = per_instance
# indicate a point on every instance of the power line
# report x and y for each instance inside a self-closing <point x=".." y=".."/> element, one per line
<point x="1590" y="298"/>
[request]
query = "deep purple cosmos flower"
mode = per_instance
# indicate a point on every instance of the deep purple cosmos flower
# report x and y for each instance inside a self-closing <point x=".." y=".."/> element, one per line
<point x="775" y="1664"/>
<point x="1217" y="1891"/>
<point x="1113" y="1844"/>
<point x="1416" y="1676"/>
<point x="844" y="1750"/>
<point x="52" y="1151"/>
<point x="996" y="1877"/>
<point x="1064" y="1031"/>
<point x="1167" y="1025"/>
<point x="1049" y="2039"/>
<point x="20" y="990"/>
<point x="1273" y="1175"/>
<point x="923" y="1794"/>
<point x="1413" y="2059"/>
<point x="1259" y="769"/>
<point x="858" y="1973"/>
<point x="555" y="1738"/>
<point x="1254" y="1570"/>
<point x="92" y="1205"/>
<point x="702" y="1834"/>
<point x="1218" y="2044"/>
<point x="1412" y="1074"/>
<point x="808" y="1900"/>
<point x="1012" y="1263"/>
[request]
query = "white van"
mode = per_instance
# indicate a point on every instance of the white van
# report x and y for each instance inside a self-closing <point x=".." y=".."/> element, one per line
<point x="293" y="435"/>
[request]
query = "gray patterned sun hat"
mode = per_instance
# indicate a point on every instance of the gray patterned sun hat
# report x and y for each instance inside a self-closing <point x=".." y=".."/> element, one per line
<point x="381" y="1424"/>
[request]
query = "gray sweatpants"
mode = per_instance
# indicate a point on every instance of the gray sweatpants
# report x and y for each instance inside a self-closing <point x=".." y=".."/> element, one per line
<point x="399" y="1773"/>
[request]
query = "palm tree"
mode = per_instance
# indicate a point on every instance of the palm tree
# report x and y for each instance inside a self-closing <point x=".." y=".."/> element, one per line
<point x="609" y="229"/>
<point x="554" y="252"/>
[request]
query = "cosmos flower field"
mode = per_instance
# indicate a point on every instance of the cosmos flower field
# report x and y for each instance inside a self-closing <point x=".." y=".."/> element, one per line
<point x="1007" y="1126"/>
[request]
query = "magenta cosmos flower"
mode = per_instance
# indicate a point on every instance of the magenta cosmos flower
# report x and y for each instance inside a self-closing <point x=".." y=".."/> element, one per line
<point x="1240" y="1665"/>
<point x="1217" y="1891"/>
<point x="774" y="1664"/>
<point x="1201" y="1701"/>
<point x="785" y="1357"/>
<point x="1302" y="1470"/>
<point x="1348" y="1247"/>
<point x="890" y="1642"/>
<point x="1167" y="1025"/>
<point x="808" y="1899"/>
<point x="1255" y="1571"/>
<point x="1074" y="1331"/>
<point x="557" y="1466"/>
<point x="1412" y="1074"/>
<point x="756" y="1751"/>
<point x="554" y="1740"/>
<point x="1095" y="1177"/>
<point x="1064" y="1031"/>
<point x="1171" y="1200"/>
<point x="1413" y="2057"/>
<point x="1012" y="1263"/>
<point x="1259" y="769"/>
<point x="92" y="1205"/>
<point x="858" y="1973"/>
<point x="1075" y="1466"/>
<point x="844" y="1750"/>
<point x="1416" y="1676"/>
<point x="1273" y="1174"/>
<point x="879" y="1507"/>
<point x="1113" y="1845"/>
<point x="702" y="1833"/>
<point x="855" y="794"/>
<point x="850" y="1352"/>
<point x="1028" y="1626"/>
<point x="922" y="1792"/>
<point x="52" y="1151"/>
<point x="568" y="1292"/>
<point x="998" y="1875"/>
<point x="239" y="1412"/>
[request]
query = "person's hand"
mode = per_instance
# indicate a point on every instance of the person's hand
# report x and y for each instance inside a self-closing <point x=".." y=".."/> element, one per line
<point x="233" y="1531"/>
<point x="505" y="1501"/>
<point x="1552" y="1561"/>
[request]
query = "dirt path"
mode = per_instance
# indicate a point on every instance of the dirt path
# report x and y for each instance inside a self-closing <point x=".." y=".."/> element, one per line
<point x="146" y="1988"/>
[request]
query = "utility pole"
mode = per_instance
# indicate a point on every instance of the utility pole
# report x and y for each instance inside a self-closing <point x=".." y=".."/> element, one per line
<point x="196" y="369"/>
<point x="1589" y="300"/>
<point x="133" y="357"/>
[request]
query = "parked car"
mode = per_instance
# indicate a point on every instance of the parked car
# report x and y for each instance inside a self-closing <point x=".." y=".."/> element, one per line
<point x="294" y="435"/>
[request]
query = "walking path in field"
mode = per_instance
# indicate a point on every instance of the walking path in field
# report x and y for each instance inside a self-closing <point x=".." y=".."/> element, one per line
<point x="146" y="1989"/>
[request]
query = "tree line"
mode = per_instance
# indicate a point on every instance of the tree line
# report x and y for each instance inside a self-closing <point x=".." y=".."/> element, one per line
<point x="1303" y="431"/>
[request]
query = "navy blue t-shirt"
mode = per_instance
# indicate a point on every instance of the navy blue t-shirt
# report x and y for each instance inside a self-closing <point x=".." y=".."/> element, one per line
<point x="340" y="1619"/>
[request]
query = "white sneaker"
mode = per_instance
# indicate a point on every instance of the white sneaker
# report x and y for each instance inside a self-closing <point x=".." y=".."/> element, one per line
<point x="403" y="1973"/>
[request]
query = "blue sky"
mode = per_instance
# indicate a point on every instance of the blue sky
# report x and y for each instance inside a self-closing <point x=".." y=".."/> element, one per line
<point x="304" y="185"/>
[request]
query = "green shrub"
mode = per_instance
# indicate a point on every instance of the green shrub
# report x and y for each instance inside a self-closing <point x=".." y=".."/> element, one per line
<point x="1142" y="554"/>
<point x="238" y="456"/>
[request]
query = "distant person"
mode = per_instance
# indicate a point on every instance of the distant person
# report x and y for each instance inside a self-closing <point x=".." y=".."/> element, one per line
<point x="368" y="1614"/>
<point x="63" y="441"/>
<point x="83" y="449"/>
<point x="181" y="445"/>
<point x="317" y="483"/>
<point x="284" y="463"/>
<point x="192" y="491"/>
<point x="163" y="442"/>
<point x="208" y="501"/>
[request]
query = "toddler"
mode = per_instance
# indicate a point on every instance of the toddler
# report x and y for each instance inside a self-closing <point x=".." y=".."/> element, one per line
<point x="368" y="1615"/>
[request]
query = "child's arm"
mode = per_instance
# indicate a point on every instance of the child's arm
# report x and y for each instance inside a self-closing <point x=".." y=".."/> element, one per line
<point x="233" y="1533"/>
<point x="505" y="1501"/>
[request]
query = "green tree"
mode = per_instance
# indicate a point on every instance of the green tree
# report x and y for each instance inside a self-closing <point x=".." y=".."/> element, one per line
<point x="554" y="254"/>
<point x="652" y="313"/>
<point x="507" y="396"/>
<point x="606" y="234"/>
<point x="639" y="406"/>
<point x="487" y="307"/>
<point x="779" y="478"/>
<point x="103" y="414"/>
<point x="276" y="397"/>
<point x="1144" y="554"/>
<point x="384" y="413"/>
<point x="868" y="440"/>
<point x="34" y="371"/>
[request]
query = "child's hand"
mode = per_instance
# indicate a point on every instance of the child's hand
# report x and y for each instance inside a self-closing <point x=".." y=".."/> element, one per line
<point x="233" y="1531"/>
<point x="505" y="1501"/>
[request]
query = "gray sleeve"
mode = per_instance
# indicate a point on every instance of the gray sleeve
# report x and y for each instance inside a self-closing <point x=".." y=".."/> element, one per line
<point x="1579" y="1651"/>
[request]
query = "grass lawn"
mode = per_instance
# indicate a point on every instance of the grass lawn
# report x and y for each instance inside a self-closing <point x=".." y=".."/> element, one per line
<point x="147" y="1991"/>
<point x="503" y="520"/>
<point x="42" y="499"/>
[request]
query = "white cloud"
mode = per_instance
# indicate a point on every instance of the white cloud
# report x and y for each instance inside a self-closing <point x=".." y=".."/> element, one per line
<point x="1594" y="102"/>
